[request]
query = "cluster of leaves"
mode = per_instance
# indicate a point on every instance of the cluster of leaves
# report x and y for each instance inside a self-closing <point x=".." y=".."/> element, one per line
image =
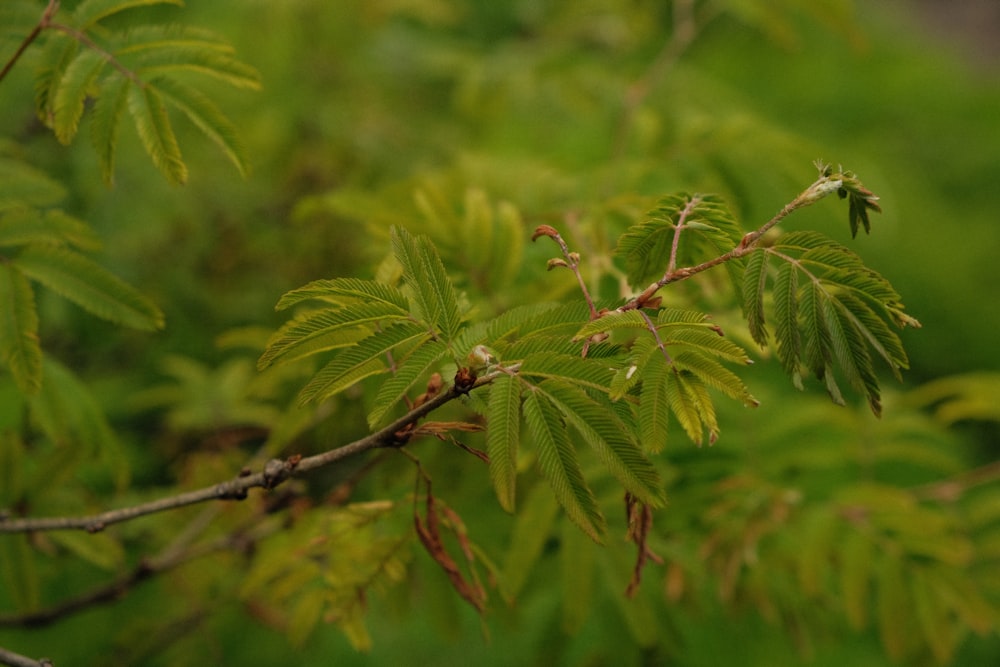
<point x="564" y="374"/>
<point x="583" y="392"/>
<point x="142" y="70"/>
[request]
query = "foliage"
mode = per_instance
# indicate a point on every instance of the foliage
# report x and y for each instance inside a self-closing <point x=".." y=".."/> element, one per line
<point x="451" y="418"/>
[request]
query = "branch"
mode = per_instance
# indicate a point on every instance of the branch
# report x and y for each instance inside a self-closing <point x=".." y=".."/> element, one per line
<point x="43" y="23"/>
<point x="17" y="660"/>
<point x="818" y="190"/>
<point x="274" y="473"/>
<point x="571" y="262"/>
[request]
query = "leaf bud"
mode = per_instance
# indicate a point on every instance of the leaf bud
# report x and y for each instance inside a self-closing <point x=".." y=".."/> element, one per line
<point x="557" y="262"/>
<point x="545" y="230"/>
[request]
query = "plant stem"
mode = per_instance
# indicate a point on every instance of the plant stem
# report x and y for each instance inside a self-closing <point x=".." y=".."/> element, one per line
<point x="43" y="23"/>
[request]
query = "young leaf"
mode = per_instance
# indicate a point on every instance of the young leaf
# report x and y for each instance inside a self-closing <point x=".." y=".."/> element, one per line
<point x="654" y="406"/>
<point x="76" y="84"/>
<point x="574" y="369"/>
<point x="754" y="281"/>
<point x="409" y="369"/>
<point x="709" y="230"/>
<point x="428" y="281"/>
<point x="683" y="404"/>
<point x="69" y="415"/>
<point x="346" y="290"/>
<point x="365" y="359"/>
<point x="786" y="330"/>
<point x="207" y="117"/>
<point x="19" y="348"/>
<point x="326" y="329"/>
<point x="105" y="120"/>
<point x="23" y="226"/>
<point x="559" y="464"/>
<point x="89" y="12"/>
<point x="157" y="135"/>
<point x="610" y="439"/>
<point x="90" y="286"/>
<point x="503" y="436"/>
<point x="208" y="57"/>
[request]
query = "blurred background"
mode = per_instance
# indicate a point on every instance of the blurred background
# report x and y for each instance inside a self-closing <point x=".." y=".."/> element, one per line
<point x="590" y="107"/>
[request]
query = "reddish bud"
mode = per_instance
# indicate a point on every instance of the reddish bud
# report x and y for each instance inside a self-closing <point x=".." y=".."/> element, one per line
<point x="545" y="230"/>
<point x="556" y="262"/>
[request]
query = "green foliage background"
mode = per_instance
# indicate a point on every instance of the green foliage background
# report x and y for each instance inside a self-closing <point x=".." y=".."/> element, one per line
<point x="437" y="115"/>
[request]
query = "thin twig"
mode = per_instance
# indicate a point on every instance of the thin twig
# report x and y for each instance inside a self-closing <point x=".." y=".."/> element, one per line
<point x="275" y="472"/>
<point x="43" y="23"/>
<point x="17" y="660"/>
<point x="104" y="53"/>
<point x="571" y="261"/>
<point x="678" y="228"/>
<point x="819" y="189"/>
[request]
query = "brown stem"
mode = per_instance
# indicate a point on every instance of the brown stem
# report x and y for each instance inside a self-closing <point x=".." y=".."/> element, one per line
<point x="44" y="22"/>
<point x="274" y="473"/>
<point x="747" y="244"/>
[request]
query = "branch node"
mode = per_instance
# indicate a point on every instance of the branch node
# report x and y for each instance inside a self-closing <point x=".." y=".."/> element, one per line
<point x="275" y="472"/>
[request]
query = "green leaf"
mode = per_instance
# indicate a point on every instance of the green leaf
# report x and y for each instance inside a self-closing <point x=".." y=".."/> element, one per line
<point x="77" y="83"/>
<point x="715" y="375"/>
<point x="105" y="120"/>
<point x="365" y="359"/>
<point x="654" y="406"/>
<point x="428" y="281"/>
<point x="580" y="371"/>
<point x="816" y="339"/>
<point x="683" y="403"/>
<point x="786" y="330"/>
<point x="344" y="291"/>
<point x="89" y="285"/>
<point x="19" y="347"/>
<point x="559" y="464"/>
<point x="503" y="436"/>
<point x="754" y="281"/>
<point x="57" y="55"/>
<point x="706" y="342"/>
<point x="70" y="416"/>
<point x="852" y="355"/>
<point x="202" y="56"/>
<point x="612" y="321"/>
<point x="207" y="117"/>
<point x="409" y="369"/>
<point x="89" y="12"/>
<point x="155" y="132"/>
<point x="609" y="437"/>
<point x="23" y="226"/>
<point x="326" y="329"/>
<point x="710" y="230"/>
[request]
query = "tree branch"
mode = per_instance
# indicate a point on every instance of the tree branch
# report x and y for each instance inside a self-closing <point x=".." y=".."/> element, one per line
<point x="819" y="189"/>
<point x="43" y="23"/>
<point x="275" y="472"/>
<point x="17" y="660"/>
